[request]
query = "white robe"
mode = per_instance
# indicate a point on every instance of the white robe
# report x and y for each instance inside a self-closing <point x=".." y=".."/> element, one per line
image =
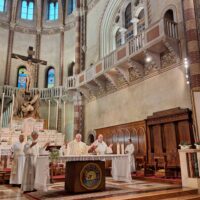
<point x="31" y="154"/>
<point x="102" y="148"/>
<point x="77" y="148"/>
<point x="130" y="150"/>
<point x="17" y="168"/>
<point x="63" y="151"/>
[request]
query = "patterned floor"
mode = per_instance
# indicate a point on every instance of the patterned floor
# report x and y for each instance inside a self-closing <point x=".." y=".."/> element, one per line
<point x="113" y="188"/>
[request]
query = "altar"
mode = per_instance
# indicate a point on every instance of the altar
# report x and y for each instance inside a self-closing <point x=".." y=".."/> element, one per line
<point x="92" y="166"/>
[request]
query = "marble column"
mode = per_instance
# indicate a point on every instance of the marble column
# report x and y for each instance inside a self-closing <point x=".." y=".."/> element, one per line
<point x="193" y="54"/>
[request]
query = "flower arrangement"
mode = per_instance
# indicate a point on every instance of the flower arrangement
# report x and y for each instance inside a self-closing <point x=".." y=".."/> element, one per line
<point x="185" y="145"/>
<point x="197" y="144"/>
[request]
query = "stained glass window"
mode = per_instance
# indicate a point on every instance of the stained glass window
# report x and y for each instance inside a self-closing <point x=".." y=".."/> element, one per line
<point x="71" y="6"/>
<point x="50" y="77"/>
<point x="53" y="10"/>
<point x="22" y="74"/>
<point x="2" y="5"/>
<point x="27" y="10"/>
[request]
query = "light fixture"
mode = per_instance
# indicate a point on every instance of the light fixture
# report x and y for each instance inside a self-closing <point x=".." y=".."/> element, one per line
<point x="186" y="66"/>
<point x="148" y="59"/>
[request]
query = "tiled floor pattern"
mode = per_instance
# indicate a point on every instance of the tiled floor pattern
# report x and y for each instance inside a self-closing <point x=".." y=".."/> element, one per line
<point x="113" y="188"/>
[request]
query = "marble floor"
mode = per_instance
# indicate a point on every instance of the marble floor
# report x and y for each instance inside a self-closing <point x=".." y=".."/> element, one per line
<point x="114" y="189"/>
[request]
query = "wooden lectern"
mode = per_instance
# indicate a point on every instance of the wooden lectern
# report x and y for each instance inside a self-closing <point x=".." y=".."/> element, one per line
<point x="84" y="176"/>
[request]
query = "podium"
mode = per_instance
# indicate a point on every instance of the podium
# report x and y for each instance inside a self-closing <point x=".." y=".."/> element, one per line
<point x="84" y="176"/>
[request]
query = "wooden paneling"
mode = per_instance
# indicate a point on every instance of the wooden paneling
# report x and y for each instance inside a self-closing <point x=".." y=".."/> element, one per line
<point x="122" y="133"/>
<point x="165" y="131"/>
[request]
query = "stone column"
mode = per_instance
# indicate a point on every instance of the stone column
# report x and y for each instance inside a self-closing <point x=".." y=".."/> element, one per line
<point x="12" y="21"/>
<point x="61" y="57"/>
<point x="77" y="39"/>
<point x="193" y="53"/>
<point x="123" y="35"/>
<point x="78" y="114"/>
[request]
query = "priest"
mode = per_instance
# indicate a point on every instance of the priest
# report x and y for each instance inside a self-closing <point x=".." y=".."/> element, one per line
<point x="77" y="147"/>
<point x="101" y="146"/>
<point x="18" y="161"/>
<point x="130" y="150"/>
<point x="32" y="151"/>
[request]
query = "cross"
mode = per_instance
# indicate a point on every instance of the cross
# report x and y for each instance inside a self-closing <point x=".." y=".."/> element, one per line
<point x="29" y="60"/>
<point x="29" y="57"/>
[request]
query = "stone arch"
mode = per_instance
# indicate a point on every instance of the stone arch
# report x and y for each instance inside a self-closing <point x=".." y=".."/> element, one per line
<point x="173" y="8"/>
<point x="106" y="27"/>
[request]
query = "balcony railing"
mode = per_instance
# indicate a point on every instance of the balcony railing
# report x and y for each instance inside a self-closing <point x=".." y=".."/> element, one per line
<point x="135" y="44"/>
<point x="46" y="93"/>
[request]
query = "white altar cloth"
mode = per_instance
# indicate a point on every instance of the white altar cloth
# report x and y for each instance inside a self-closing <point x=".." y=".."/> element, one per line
<point x="120" y="167"/>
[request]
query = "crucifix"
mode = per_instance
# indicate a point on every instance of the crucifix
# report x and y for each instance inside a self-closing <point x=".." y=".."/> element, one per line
<point x="29" y="61"/>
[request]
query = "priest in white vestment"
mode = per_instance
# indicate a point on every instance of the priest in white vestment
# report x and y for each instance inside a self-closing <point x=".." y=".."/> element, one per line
<point x="77" y="147"/>
<point x="101" y="146"/>
<point x="32" y="151"/>
<point x="17" y="168"/>
<point x="130" y="150"/>
<point x="63" y="149"/>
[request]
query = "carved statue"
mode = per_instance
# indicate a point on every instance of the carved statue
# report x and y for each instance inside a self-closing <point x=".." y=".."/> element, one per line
<point x="26" y="106"/>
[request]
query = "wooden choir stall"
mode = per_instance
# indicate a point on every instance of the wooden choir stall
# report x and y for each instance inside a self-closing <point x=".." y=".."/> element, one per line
<point x="156" y="141"/>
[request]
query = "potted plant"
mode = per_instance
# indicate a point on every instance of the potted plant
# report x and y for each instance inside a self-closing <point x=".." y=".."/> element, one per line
<point x="54" y="155"/>
<point x="197" y="144"/>
<point x="185" y="145"/>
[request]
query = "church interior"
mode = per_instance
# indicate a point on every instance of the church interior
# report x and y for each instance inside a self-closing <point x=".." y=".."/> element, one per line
<point x="100" y="99"/>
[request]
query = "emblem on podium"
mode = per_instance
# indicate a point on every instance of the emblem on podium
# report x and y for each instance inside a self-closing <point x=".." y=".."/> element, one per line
<point x="91" y="176"/>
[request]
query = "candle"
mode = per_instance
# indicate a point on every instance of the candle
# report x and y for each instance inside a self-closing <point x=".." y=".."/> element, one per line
<point x="64" y="118"/>
<point x="13" y="102"/>
<point x="122" y="148"/>
<point x="56" y="114"/>
<point x="49" y="109"/>
<point x="2" y="104"/>
<point x="118" y="148"/>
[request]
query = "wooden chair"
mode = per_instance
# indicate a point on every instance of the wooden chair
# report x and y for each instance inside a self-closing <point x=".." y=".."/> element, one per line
<point x="141" y="165"/>
<point x="160" y="165"/>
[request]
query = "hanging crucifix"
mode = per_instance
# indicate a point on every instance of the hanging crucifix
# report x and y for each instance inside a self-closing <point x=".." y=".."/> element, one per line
<point x="29" y="64"/>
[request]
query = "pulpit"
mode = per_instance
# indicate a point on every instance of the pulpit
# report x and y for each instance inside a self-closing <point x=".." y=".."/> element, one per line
<point x="85" y="176"/>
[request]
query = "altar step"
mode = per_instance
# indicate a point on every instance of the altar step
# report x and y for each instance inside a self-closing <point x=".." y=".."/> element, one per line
<point x="171" y="194"/>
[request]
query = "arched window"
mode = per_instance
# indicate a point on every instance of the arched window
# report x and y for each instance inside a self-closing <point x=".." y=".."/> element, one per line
<point x="27" y="9"/>
<point x="50" y="77"/>
<point x="2" y="5"/>
<point x="169" y="15"/>
<point x="52" y="10"/>
<point x="128" y="16"/>
<point x="71" y="6"/>
<point x="141" y="22"/>
<point x="118" y="38"/>
<point x="21" y="77"/>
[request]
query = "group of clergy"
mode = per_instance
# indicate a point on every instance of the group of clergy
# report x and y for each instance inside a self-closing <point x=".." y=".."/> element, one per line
<point x="25" y="156"/>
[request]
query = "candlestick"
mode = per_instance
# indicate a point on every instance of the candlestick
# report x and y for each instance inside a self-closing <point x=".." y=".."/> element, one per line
<point x="2" y="104"/>
<point x="122" y="148"/>
<point x="56" y="114"/>
<point x="118" y="148"/>
<point x="49" y="109"/>
<point x="11" y="117"/>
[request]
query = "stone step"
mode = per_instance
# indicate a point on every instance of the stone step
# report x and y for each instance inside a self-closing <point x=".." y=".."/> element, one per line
<point x="187" y="197"/>
<point x="163" y="194"/>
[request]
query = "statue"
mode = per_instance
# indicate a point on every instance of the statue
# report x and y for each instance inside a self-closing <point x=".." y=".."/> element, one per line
<point x="26" y="106"/>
